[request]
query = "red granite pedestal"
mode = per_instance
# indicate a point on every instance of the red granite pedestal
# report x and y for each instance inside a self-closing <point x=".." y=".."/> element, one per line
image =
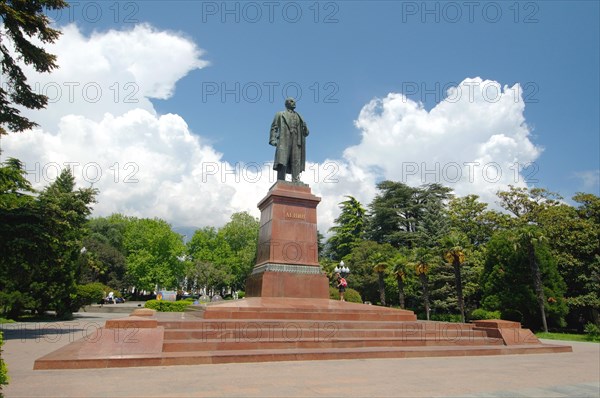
<point x="287" y="263"/>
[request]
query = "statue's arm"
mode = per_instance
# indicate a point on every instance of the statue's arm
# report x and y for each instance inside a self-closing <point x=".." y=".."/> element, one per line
<point x="274" y="134"/>
<point x="304" y="127"/>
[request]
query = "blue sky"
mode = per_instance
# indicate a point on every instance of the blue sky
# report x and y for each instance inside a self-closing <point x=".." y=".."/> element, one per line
<point x="373" y="77"/>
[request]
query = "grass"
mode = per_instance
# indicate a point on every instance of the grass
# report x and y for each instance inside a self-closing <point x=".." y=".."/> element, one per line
<point x="4" y="320"/>
<point x="565" y="337"/>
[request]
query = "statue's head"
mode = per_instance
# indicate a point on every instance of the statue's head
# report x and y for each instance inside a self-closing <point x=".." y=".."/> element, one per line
<point x="290" y="103"/>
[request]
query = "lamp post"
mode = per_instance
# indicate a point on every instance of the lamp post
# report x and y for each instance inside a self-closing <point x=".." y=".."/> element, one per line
<point x="342" y="269"/>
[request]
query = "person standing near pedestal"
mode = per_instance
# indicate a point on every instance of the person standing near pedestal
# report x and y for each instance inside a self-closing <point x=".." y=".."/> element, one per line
<point x="288" y="134"/>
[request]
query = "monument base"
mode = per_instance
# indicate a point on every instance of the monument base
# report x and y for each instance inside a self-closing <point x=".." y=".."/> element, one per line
<point x="286" y="284"/>
<point x="287" y="263"/>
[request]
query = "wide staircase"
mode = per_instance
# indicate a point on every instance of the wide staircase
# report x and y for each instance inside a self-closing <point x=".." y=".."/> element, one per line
<point x="262" y="329"/>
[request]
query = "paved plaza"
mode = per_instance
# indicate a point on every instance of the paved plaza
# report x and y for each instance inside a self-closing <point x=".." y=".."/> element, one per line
<point x="575" y="374"/>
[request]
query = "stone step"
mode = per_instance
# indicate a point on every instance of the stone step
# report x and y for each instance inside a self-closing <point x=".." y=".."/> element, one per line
<point x="324" y="344"/>
<point x="253" y="333"/>
<point x="311" y="324"/>
<point x="57" y="361"/>
<point x="311" y="315"/>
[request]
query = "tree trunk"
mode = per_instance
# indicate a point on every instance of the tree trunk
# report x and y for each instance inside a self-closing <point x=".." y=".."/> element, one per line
<point x="537" y="282"/>
<point x="459" y="291"/>
<point x="401" y="292"/>
<point x="381" y="288"/>
<point x="424" y="282"/>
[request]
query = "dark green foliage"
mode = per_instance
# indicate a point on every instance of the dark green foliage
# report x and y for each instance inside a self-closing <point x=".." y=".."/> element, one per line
<point x="445" y="317"/>
<point x="3" y="368"/>
<point x="395" y="212"/>
<point x="22" y="20"/>
<point x="592" y="332"/>
<point x="87" y="294"/>
<point x="241" y="234"/>
<point x="350" y="295"/>
<point x="361" y="261"/>
<point x="574" y="233"/>
<point x="154" y="254"/>
<point x="168" y="306"/>
<point x="104" y="258"/>
<point x="480" y="313"/>
<point x="348" y="230"/>
<point x="408" y="217"/>
<point x="508" y="285"/>
<point x="224" y="257"/>
<point x="40" y="239"/>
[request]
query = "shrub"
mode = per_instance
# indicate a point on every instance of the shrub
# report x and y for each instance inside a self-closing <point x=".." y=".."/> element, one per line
<point x="167" y="306"/>
<point x="512" y="315"/>
<point x="480" y="314"/>
<point x="351" y="295"/>
<point x="592" y="332"/>
<point x="3" y="369"/>
<point x="241" y="294"/>
<point x="445" y="317"/>
<point x="190" y="299"/>
<point x="87" y="294"/>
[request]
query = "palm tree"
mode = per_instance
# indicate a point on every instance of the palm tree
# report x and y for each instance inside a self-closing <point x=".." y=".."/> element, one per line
<point x="400" y="273"/>
<point x="380" y="268"/>
<point x="422" y="259"/>
<point x="529" y="237"/>
<point x="454" y="253"/>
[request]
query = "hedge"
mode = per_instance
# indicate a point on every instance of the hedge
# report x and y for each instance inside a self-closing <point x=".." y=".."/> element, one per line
<point x="168" y="306"/>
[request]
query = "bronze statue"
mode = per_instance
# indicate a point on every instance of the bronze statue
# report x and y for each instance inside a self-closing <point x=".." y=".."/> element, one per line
<point x="288" y="134"/>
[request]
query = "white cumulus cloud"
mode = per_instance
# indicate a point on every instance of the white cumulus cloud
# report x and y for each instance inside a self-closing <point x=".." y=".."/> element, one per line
<point x="101" y="123"/>
<point x="475" y="141"/>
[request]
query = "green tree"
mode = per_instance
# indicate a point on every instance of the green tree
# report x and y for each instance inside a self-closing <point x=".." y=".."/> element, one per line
<point x="65" y="211"/>
<point x="400" y="262"/>
<point x="241" y="234"/>
<point x="525" y="204"/>
<point x="506" y="281"/>
<point x="154" y="254"/>
<point x="530" y="237"/>
<point x="22" y="21"/>
<point x="349" y="228"/>
<point x="454" y="252"/>
<point x="380" y="269"/>
<point x="422" y="259"/>
<point x="408" y="217"/>
<point x="573" y="233"/>
<point x="471" y="217"/>
<point x="40" y="241"/>
<point x="104" y="257"/>
<point x="209" y="248"/>
<point x="20" y="228"/>
<point x="361" y="261"/>
<point x="395" y="213"/>
<point x="433" y="220"/>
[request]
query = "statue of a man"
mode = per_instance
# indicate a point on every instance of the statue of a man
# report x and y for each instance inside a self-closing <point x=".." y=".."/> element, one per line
<point x="288" y="134"/>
